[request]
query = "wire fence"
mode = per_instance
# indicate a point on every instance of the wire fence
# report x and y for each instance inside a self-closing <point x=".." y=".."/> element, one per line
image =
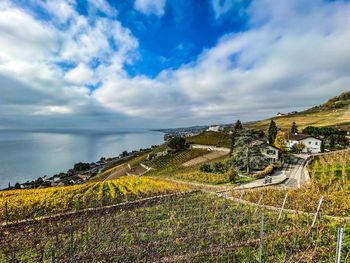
<point x="190" y="227"/>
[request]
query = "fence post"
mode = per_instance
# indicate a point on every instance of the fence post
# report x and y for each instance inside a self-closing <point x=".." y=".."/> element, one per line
<point x="199" y="219"/>
<point x="258" y="205"/>
<point x="339" y="244"/>
<point x="261" y="236"/>
<point x="240" y="198"/>
<point x="53" y="255"/>
<point x="71" y="239"/>
<point x="6" y="214"/>
<point x="318" y="209"/>
<point x="282" y="207"/>
<point x="222" y="223"/>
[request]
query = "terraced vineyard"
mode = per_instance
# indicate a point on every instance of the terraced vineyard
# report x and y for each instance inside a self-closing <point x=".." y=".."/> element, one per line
<point x="172" y="162"/>
<point x="331" y="171"/>
<point x="330" y="177"/>
<point x="19" y="204"/>
<point x="192" y="227"/>
<point x="211" y="138"/>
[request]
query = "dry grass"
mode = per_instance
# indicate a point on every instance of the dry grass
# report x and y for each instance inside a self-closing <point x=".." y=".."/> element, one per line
<point x="307" y="118"/>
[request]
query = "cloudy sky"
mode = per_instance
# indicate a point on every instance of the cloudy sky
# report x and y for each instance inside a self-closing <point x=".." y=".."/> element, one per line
<point x="167" y="63"/>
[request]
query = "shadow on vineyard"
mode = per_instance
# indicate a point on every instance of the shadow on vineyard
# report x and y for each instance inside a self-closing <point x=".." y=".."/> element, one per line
<point x="187" y="227"/>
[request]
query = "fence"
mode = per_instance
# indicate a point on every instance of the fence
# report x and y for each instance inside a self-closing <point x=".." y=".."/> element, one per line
<point x="190" y="227"/>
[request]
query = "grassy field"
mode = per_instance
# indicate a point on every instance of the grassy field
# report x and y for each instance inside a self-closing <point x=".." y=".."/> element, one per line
<point x="211" y="138"/>
<point x="186" y="228"/>
<point x="328" y="117"/>
<point x="330" y="177"/>
<point x="18" y="204"/>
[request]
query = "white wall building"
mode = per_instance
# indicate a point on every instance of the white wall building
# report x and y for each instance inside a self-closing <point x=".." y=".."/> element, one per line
<point x="215" y="128"/>
<point x="270" y="152"/>
<point x="312" y="144"/>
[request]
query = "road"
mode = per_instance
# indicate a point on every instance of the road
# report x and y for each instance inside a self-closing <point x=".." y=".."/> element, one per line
<point x="294" y="171"/>
<point x="290" y="176"/>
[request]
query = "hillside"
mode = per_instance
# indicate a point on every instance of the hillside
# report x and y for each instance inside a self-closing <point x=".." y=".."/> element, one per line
<point x="335" y="111"/>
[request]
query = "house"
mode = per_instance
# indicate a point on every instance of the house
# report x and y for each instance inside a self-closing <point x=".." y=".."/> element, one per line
<point x="312" y="144"/>
<point x="280" y="114"/>
<point x="215" y="128"/>
<point x="82" y="177"/>
<point x="271" y="153"/>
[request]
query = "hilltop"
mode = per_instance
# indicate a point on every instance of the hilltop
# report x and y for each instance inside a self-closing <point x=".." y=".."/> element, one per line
<point x="334" y="112"/>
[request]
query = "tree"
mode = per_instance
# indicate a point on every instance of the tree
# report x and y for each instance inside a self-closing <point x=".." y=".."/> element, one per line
<point x="233" y="137"/>
<point x="81" y="166"/>
<point x="294" y="128"/>
<point x="177" y="143"/>
<point x="17" y="186"/>
<point x="238" y="125"/>
<point x="331" y="141"/>
<point x="322" y="147"/>
<point x="272" y="132"/>
<point x="280" y="141"/>
<point x="233" y="175"/>
<point x="298" y="147"/>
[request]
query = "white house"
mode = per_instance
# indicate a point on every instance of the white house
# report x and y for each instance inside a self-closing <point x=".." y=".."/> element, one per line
<point x="215" y="128"/>
<point x="270" y="152"/>
<point x="312" y="144"/>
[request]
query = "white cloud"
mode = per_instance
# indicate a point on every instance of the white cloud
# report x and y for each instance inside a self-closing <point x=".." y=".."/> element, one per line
<point x="149" y="7"/>
<point x="294" y="55"/>
<point x="62" y="10"/>
<point x="80" y="75"/>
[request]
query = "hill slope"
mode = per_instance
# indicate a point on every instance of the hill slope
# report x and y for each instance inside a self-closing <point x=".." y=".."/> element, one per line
<point x="335" y="111"/>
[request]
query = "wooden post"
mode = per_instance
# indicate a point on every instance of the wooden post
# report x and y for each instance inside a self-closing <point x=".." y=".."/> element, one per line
<point x="240" y="199"/>
<point x="318" y="209"/>
<point x="284" y="202"/>
<point x="261" y="236"/>
<point x="258" y="205"/>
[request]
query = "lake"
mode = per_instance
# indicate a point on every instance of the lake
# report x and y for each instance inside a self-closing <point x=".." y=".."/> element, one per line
<point x="28" y="155"/>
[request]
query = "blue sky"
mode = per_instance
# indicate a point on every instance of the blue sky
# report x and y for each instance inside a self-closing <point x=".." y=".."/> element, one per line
<point x="166" y="63"/>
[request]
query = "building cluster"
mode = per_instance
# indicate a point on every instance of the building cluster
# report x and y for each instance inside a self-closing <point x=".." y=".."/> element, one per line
<point x="74" y="176"/>
<point x="279" y="114"/>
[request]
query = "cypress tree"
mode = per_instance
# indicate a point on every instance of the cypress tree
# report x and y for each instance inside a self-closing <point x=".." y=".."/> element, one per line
<point x="332" y="142"/>
<point x="322" y="147"/>
<point x="272" y="132"/>
<point x="238" y="125"/>
<point x="233" y="140"/>
<point x="294" y="128"/>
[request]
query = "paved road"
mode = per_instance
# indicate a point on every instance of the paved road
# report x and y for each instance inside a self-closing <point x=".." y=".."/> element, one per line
<point x="290" y="176"/>
<point x="294" y="171"/>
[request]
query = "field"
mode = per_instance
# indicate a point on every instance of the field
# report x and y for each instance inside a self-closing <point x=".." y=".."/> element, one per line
<point x="20" y="204"/>
<point x="172" y="162"/>
<point x="171" y="166"/>
<point x="329" y="178"/>
<point x="211" y="138"/>
<point x="307" y="118"/>
<point x="192" y="227"/>
<point x="205" y="158"/>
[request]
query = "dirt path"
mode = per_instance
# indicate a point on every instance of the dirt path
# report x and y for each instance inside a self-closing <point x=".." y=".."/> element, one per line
<point x="205" y="158"/>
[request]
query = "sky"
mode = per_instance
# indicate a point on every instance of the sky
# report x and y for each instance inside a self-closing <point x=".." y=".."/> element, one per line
<point x="106" y="64"/>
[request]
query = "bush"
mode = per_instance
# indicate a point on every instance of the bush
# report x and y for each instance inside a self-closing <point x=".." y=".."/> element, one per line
<point x="205" y="168"/>
<point x="268" y="170"/>
<point x="219" y="168"/>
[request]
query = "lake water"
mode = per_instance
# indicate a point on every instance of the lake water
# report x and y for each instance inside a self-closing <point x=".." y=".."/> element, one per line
<point x="28" y="155"/>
